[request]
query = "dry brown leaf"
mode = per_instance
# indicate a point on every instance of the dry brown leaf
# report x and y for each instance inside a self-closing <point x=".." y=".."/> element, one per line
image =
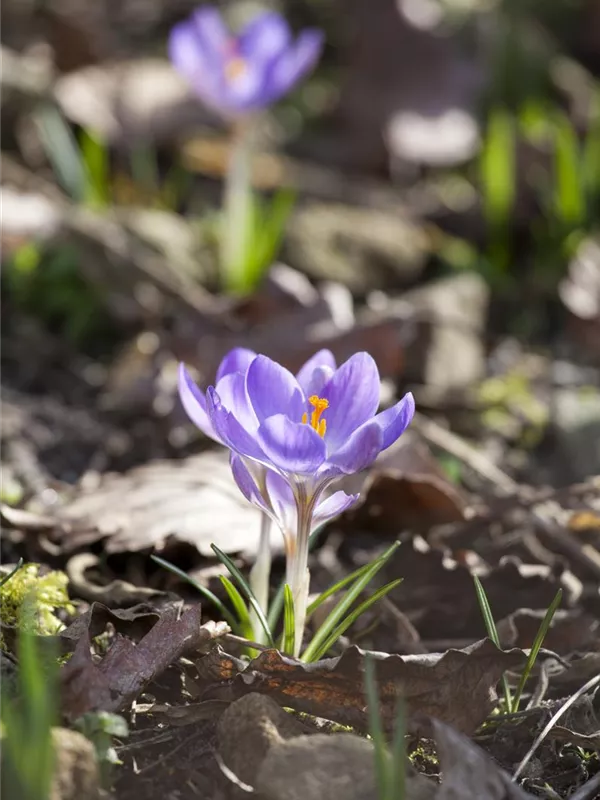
<point x="134" y="622"/>
<point x="457" y="687"/>
<point x="113" y="682"/>
<point x="570" y="629"/>
<point x="468" y="773"/>
<point x="194" y="501"/>
<point x="406" y="489"/>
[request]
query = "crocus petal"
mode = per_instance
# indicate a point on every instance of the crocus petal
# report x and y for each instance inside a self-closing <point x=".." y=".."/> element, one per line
<point x="211" y="31"/>
<point x="201" y="68"/>
<point x="245" y="91"/>
<point x="353" y="395"/>
<point x="236" y="360"/>
<point x="194" y="403"/>
<point x="296" y="62"/>
<point x="264" y="38"/>
<point x="395" y="420"/>
<point x="315" y="373"/>
<point x="232" y="433"/>
<point x="291" y="446"/>
<point x="282" y="502"/>
<point x="234" y="397"/>
<point x="246" y="483"/>
<point x="273" y="390"/>
<point x="359" y="450"/>
<point x="331" y="507"/>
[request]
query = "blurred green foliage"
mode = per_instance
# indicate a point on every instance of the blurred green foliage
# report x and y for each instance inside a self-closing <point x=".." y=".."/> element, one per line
<point x="46" y="282"/>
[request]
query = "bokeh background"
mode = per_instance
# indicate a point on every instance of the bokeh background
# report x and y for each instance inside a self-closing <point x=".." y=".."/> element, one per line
<point x="445" y="156"/>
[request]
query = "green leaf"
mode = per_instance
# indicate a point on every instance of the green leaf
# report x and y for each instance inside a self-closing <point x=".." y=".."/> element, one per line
<point x="245" y="588"/>
<point x="398" y="768"/>
<point x="335" y="588"/>
<point x="289" y="620"/>
<point x="492" y="632"/>
<point x="222" y="609"/>
<point x="239" y="607"/>
<point x="27" y="726"/>
<point x="535" y="649"/>
<point x="497" y="171"/>
<point x="94" y="153"/>
<point x="351" y="619"/>
<point x="144" y="167"/>
<point x="343" y="606"/>
<point x="276" y="607"/>
<point x="569" y="195"/>
<point x="590" y="160"/>
<point x="62" y="150"/>
<point x="376" y="730"/>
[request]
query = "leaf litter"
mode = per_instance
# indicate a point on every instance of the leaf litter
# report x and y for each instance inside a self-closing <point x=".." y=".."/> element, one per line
<point x="171" y="668"/>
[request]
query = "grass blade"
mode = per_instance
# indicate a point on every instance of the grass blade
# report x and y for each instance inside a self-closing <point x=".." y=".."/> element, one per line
<point x="344" y="605"/>
<point x="289" y="620"/>
<point x="569" y="194"/>
<point x="63" y="151"/>
<point x="376" y="730"/>
<point x="398" y="766"/>
<point x="94" y="154"/>
<point x="223" y="610"/>
<point x="335" y="588"/>
<point x="245" y="588"/>
<point x="276" y="607"/>
<point x="350" y="619"/>
<point x="6" y="578"/>
<point x="239" y="607"/>
<point x="497" y="172"/>
<point x="492" y="632"/>
<point x="535" y="648"/>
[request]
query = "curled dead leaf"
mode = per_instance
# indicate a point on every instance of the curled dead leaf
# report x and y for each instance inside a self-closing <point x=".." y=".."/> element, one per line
<point x="113" y="682"/>
<point x="457" y="687"/>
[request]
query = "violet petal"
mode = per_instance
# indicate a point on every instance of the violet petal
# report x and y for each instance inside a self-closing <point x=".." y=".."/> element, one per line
<point x="315" y="373"/>
<point x="236" y="360"/>
<point x="194" y="403"/>
<point x="273" y="390"/>
<point x="395" y="420"/>
<point x="353" y="395"/>
<point x="291" y="446"/>
<point x="359" y="450"/>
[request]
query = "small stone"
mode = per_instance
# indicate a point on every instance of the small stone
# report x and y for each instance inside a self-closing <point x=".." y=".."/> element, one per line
<point x="338" y="765"/>
<point x="247" y="731"/>
<point x="577" y="429"/>
<point x="456" y="312"/>
<point x="76" y="769"/>
<point x="319" y="766"/>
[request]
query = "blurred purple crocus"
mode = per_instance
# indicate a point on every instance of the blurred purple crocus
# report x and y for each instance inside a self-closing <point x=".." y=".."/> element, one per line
<point x="239" y="74"/>
<point x="292" y="436"/>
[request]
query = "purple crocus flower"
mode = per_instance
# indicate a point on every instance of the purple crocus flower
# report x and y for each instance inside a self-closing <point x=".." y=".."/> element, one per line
<point x="292" y="436"/>
<point x="238" y="74"/>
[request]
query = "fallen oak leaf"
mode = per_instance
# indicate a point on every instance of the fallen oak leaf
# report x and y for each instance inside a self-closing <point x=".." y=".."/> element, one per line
<point x="120" y="676"/>
<point x="458" y="686"/>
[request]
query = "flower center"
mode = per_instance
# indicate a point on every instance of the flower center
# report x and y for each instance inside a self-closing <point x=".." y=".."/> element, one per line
<point x="319" y="404"/>
<point x="235" y="68"/>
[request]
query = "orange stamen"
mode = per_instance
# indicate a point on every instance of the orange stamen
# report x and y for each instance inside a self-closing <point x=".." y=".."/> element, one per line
<point x="319" y="404"/>
<point x="235" y="68"/>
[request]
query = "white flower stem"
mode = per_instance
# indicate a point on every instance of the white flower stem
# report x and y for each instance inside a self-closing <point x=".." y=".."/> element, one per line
<point x="260" y="577"/>
<point x="237" y="210"/>
<point x="298" y="575"/>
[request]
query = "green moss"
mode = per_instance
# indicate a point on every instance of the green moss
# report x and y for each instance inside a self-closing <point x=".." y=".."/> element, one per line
<point x="45" y="593"/>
